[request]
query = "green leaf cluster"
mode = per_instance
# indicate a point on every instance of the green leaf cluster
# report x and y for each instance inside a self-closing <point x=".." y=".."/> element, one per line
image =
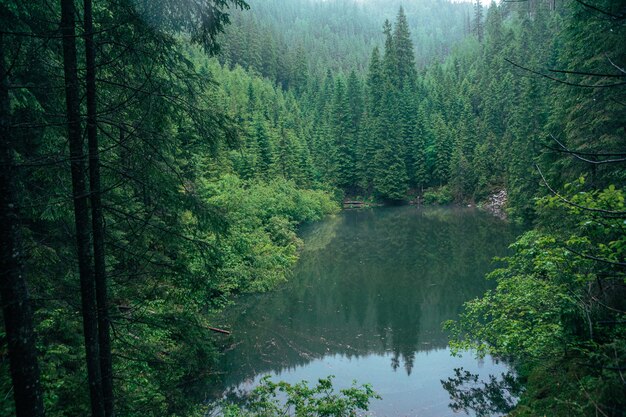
<point x="272" y="399"/>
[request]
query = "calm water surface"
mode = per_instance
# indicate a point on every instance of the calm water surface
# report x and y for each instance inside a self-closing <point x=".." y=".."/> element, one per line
<point x="367" y="301"/>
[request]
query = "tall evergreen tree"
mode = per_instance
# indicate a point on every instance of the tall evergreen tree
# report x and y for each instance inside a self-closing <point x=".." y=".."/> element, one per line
<point x="478" y="26"/>
<point x="263" y="143"/>
<point x="418" y="149"/>
<point x="404" y="53"/>
<point x="354" y="91"/>
<point x="14" y="297"/>
<point x="407" y="123"/>
<point x="390" y="59"/>
<point x="97" y="216"/>
<point x="443" y="151"/>
<point x="390" y="180"/>
<point x="371" y="133"/>
<point x="344" y="138"/>
<point x="375" y="79"/>
<point x="81" y="210"/>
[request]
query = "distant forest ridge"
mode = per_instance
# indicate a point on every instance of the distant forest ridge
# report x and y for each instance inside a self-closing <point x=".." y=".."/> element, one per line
<point x="337" y="34"/>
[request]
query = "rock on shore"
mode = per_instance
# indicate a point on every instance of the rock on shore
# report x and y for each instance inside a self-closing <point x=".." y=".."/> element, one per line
<point x="496" y="204"/>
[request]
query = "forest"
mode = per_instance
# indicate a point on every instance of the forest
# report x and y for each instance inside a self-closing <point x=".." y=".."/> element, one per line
<point x="157" y="159"/>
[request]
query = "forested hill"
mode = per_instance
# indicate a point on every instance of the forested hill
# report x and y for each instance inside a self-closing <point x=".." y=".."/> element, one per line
<point x="285" y="40"/>
<point x="463" y="126"/>
<point x="459" y="128"/>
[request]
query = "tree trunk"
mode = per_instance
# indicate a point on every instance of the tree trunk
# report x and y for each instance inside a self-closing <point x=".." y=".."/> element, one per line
<point x="97" y="221"/>
<point x="81" y="210"/>
<point x="18" y="316"/>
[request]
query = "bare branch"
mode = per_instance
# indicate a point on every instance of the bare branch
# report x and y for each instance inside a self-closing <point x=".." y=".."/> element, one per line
<point x="617" y="214"/>
<point x="593" y="74"/>
<point x="578" y="155"/>
<point x="604" y="12"/>
<point x="616" y="66"/>
<point x="562" y="81"/>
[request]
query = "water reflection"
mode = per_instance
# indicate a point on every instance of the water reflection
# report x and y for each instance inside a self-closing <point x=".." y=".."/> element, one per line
<point x="497" y="395"/>
<point x="371" y="284"/>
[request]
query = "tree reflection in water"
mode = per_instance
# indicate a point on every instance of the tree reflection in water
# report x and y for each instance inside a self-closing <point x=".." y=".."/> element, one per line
<point x="369" y="283"/>
<point x="470" y="394"/>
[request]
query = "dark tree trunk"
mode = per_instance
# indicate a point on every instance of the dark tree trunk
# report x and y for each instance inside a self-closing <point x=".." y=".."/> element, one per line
<point x="97" y="221"/>
<point x="18" y="317"/>
<point x="81" y="209"/>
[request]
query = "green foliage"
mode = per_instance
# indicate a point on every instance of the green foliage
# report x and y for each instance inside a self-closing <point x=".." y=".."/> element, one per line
<point x="522" y="316"/>
<point x="438" y="196"/>
<point x="557" y="304"/>
<point x="204" y="186"/>
<point x="485" y="399"/>
<point x="335" y="35"/>
<point x="271" y="399"/>
<point x="209" y="165"/>
<point x="261" y="245"/>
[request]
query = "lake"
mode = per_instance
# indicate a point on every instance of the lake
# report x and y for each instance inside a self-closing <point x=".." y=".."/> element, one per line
<point x="366" y="302"/>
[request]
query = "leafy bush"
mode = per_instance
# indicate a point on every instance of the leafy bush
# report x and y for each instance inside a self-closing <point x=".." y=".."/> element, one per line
<point x="300" y="400"/>
<point x="558" y="308"/>
<point x="438" y="196"/>
<point x="261" y="244"/>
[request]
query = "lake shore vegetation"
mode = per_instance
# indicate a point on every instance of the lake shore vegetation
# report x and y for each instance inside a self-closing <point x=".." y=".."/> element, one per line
<point x="157" y="158"/>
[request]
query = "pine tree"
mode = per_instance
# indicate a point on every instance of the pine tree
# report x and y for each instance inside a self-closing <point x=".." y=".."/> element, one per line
<point x="390" y="180"/>
<point x="286" y="155"/>
<point x="477" y="27"/>
<point x="344" y="138"/>
<point x="253" y="59"/>
<point x="442" y="151"/>
<point x="370" y="132"/>
<point x="81" y="209"/>
<point x="421" y="138"/>
<point x="17" y="312"/>
<point x="355" y="98"/>
<point x="404" y="53"/>
<point x="407" y="124"/>
<point x="252" y="105"/>
<point x="375" y="79"/>
<point x="263" y="142"/>
<point x="304" y="175"/>
<point x="390" y="60"/>
<point x="321" y="148"/>
<point x="299" y="70"/>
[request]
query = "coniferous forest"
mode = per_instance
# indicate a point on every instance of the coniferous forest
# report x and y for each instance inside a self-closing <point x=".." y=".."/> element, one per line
<point x="158" y="158"/>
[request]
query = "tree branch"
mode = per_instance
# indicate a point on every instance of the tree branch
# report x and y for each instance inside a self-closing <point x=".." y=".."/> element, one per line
<point x="594" y="258"/>
<point x="562" y="81"/>
<point x="618" y="214"/>
<point x="604" y="12"/>
<point x="578" y="154"/>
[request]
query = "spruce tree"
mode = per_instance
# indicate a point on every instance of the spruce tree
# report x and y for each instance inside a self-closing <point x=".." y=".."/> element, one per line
<point x="355" y="98"/>
<point x="407" y="124"/>
<point x="286" y="155"/>
<point x="477" y="27"/>
<point x="375" y="79"/>
<point x="371" y="131"/>
<point x="344" y="138"/>
<point x="390" y="60"/>
<point x="404" y="53"/>
<point x="17" y="314"/>
<point x="263" y="143"/>
<point x="442" y="151"/>
<point x="390" y="180"/>
<point x="421" y="138"/>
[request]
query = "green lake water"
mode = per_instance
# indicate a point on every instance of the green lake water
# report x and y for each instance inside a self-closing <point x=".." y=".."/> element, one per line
<point x="367" y="301"/>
